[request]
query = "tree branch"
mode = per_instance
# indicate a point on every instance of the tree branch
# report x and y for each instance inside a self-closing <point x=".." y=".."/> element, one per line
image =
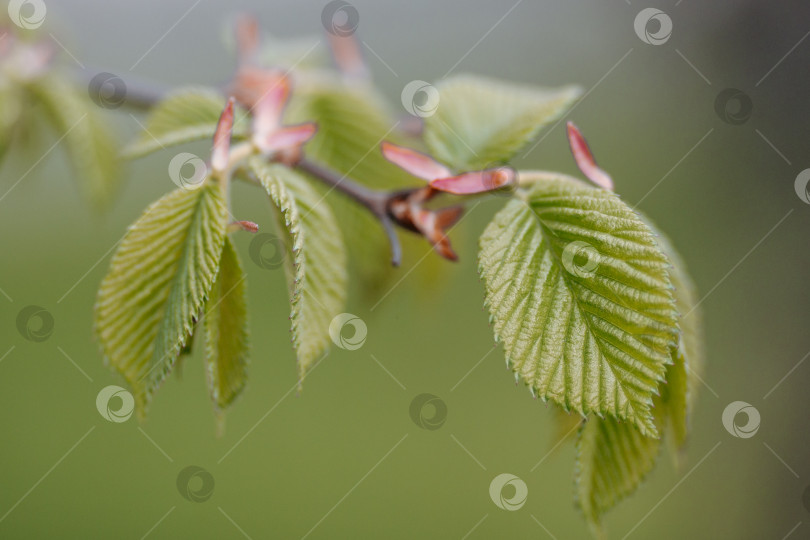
<point x="377" y="201"/>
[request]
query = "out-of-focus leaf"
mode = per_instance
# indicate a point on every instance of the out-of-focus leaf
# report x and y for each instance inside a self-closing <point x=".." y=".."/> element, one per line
<point x="157" y="285"/>
<point x="10" y="110"/>
<point x="187" y="115"/>
<point x="91" y="146"/>
<point x="481" y="121"/>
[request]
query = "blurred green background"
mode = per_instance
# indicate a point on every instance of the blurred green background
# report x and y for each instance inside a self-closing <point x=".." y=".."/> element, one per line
<point x="343" y="458"/>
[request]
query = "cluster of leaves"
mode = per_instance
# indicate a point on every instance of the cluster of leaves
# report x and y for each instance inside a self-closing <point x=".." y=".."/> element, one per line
<point x="585" y="294"/>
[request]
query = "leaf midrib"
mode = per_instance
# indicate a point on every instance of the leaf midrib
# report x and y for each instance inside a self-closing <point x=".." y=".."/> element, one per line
<point x="547" y="233"/>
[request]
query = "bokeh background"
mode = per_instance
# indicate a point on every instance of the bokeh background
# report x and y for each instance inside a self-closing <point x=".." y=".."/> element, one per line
<point x="343" y="459"/>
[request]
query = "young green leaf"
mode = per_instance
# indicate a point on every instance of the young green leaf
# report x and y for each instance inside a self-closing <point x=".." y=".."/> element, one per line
<point x="481" y="121"/>
<point x="683" y="376"/>
<point x="317" y="259"/>
<point x="578" y="291"/>
<point x="157" y="285"/>
<point x="186" y="115"/>
<point x="613" y="458"/>
<point x="226" y="331"/>
<point x="90" y="145"/>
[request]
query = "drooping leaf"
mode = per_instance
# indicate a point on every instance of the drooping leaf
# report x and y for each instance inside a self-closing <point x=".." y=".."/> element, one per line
<point x="480" y="121"/>
<point x="317" y="261"/>
<point x="157" y="285"/>
<point x="613" y="458"/>
<point x="578" y="291"/>
<point x="226" y="331"/>
<point x="352" y="123"/>
<point x="91" y="146"/>
<point x="187" y="115"/>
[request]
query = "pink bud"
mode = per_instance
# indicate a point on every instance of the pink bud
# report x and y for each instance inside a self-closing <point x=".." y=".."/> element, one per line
<point x="287" y="137"/>
<point x="476" y="181"/>
<point x="222" y="139"/>
<point x="416" y="163"/>
<point x="584" y="159"/>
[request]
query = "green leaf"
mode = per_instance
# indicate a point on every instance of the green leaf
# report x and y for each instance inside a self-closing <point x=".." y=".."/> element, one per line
<point x="317" y="262"/>
<point x="352" y="122"/>
<point x="187" y="115"/>
<point x="158" y="282"/>
<point x="91" y="146"/>
<point x="683" y="376"/>
<point x="226" y="331"/>
<point x="482" y="121"/>
<point x="613" y="458"/>
<point x="578" y="291"/>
